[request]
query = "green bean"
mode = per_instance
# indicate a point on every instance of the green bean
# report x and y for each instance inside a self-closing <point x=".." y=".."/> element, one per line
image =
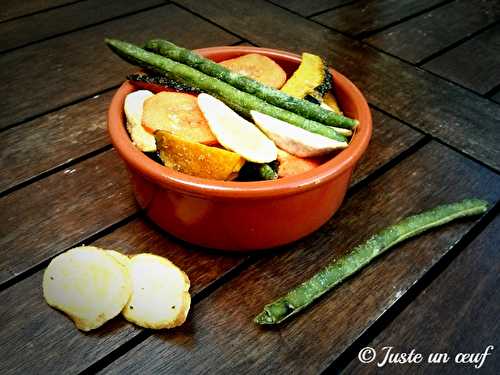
<point x="333" y="274"/>
<point x="240" y="101"/>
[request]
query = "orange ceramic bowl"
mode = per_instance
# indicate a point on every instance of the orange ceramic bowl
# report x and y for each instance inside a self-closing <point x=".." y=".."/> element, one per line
<point x="239" y="216"/>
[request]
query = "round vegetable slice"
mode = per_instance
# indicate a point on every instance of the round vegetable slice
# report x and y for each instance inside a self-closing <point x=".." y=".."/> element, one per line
<point x="160" y="297"/>
<point x="87" y="284"/>
<point x="235" y="133"/>
<point x="179" y="114"/>
<point x="259" y="67"/>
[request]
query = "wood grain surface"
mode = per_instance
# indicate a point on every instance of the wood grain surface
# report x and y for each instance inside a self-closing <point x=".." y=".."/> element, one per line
<point x="40" y="26"/>
<point x="48" y="216"/>
<point x="429" y="33"/>
<point x="307" y="8"/>
<point x="362" y="17"/>
<point x="444" y="318"/>
<point x="79" y="65"/>
<point x="221" y="336"/>
<point x="52" y="140"/>
<point x="15" y="8"/>
<point x="474" y="64"/>
<point x="437" y="107"/>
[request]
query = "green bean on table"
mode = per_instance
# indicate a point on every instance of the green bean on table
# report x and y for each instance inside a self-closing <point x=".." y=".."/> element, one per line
<point x="304" y="294"/>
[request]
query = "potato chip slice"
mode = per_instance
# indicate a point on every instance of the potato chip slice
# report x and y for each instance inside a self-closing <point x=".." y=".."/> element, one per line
<point x="160" y="297"/>
<point x="87" y="284"/>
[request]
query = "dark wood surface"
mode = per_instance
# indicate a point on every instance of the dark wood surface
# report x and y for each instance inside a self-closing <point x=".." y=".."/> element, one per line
<point x="435" y="139"/>
<point x="474" y="64"/>
<point x="366" y="16"/>
<point x="422" y="36"/>
<point x="450" y="319"/>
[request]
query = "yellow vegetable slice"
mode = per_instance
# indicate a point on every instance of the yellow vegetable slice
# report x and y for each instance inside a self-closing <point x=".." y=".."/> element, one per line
<point x="309" y="75"/>
<point x="133" y="107"/>
<point x="160" y="297"/>
<point x="196" y="159"/>
<point x="235" y="133"/>
<point x="87" y="284"/>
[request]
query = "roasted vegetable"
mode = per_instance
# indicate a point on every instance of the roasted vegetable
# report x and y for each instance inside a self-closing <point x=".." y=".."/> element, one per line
<point x="257" y="172"/>
<point x="235" y="133"/>
<point x="268" y="94"/>
<point x="196" y="159"/>
<point x="290" y="165"/>
<point x="258" y="67"/>
<point x="160" y="297"/>
<point x="333" y="274"/>
<point x="88" y="284"/>
<point x="240" y="101"/>
<point x="156" y="82"/>
<point x="309" y="75"/>
<point x="179" y="114"/>
<point x="133" y="108"/>
<point x="293" y="139"/>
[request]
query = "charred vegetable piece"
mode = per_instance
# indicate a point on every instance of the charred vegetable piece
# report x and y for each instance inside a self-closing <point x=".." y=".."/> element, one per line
<point x="196" y="159"/>
<point x="301" y="296"/>
<point x="239" y="101"/>
<point x="258" y="172"/>
<point x="243" y="83"/>
<point x="156" y="82"/>
<point x="258" y="67"/>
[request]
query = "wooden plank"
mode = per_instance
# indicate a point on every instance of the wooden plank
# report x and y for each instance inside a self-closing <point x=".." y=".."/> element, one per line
<point x="496" y="97"/>
<point x="46" y="217"/>
<point x="480" y="73"/>
<point x="221" y="324"/>
<point x="442" y="316"/>
<point x="427" y="34"/>
<point x="51" y="334"/>
<point x="27" y="30"/>
<point x="437" y="107"/>
<point x="389" y="139"/>
<point x="366" y="16"/>
<point x="54" y="139"/>
<point x="41" y="340"/>
<point x="307" y="8"/>
<point x="15" y="8"/>
<point x="78" y="65"/>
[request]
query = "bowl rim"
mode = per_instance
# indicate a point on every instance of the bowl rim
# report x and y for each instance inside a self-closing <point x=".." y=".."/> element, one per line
<point x="169" y="178"/>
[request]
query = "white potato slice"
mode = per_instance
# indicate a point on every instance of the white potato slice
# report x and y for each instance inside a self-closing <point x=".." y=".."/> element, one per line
<point x="87" y="284"/>
<point x="235" y="133"/>
<point x="160" y="297"/>
<point x="134" y="103"/>
<point x="119" y="257"/>
<point x="293" y="139"/>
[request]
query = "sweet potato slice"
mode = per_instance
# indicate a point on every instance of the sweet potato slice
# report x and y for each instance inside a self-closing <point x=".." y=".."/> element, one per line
<point x="258" y="67"/>
<point x="160" y="297"/>
<point x="87" y="284"/>
<point x="179" y="114"/>
<point x="291" y="165"/>
<point x="196" y="159"/>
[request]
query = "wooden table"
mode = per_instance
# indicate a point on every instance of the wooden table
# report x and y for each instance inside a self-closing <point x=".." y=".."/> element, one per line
<point x="430" y="70"/>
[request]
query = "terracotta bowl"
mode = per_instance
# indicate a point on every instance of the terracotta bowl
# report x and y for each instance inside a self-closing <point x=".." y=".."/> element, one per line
<point x="239" y="216"/>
